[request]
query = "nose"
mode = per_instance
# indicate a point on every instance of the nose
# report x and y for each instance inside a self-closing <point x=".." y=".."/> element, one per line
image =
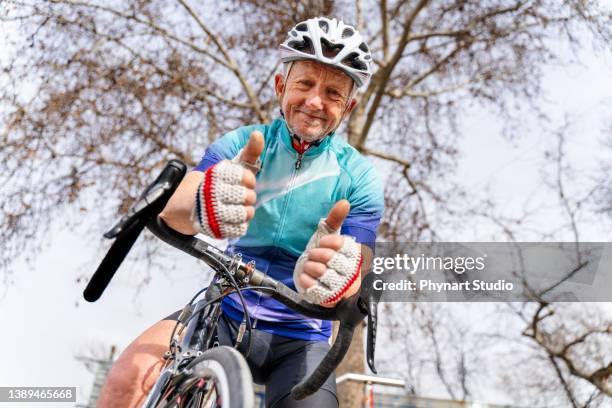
<point x="314" y="101"/>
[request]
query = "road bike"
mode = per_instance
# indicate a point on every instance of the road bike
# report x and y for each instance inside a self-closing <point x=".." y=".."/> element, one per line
<point x="198" y="372"/>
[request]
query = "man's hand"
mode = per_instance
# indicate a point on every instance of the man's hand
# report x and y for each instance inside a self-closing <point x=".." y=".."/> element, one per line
<point x="330" y="267"/>
<point x="225" y="198"/>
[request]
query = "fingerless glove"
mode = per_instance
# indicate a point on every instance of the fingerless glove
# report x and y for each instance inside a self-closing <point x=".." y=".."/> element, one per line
<point x="342" y="270"/>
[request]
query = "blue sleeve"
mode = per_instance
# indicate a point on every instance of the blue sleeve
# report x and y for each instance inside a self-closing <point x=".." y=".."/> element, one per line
<point x="227" y="147"/>
<point x="367" y="207"/>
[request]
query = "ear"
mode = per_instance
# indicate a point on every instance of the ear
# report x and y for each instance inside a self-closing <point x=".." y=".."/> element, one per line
<point x="279" y="84"/>
<point x="350" y="108"/>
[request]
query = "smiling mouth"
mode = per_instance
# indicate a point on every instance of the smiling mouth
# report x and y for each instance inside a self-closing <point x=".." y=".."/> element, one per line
<point x="311" y="116"/>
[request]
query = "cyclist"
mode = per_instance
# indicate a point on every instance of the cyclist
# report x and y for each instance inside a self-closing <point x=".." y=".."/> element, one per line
<point x="295" y="198"/>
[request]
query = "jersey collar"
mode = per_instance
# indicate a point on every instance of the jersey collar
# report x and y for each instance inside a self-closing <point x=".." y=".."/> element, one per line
<point x="312" y="150"/>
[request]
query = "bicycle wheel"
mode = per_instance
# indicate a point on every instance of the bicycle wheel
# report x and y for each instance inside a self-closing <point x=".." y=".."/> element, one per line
<point x="220" y="378"/>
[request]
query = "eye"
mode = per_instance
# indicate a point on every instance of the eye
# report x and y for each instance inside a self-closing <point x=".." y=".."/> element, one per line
<point x="334" y="94"/>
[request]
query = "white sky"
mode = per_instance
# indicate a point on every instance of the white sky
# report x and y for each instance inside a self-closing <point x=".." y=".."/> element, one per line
<point x="43" y="330"/>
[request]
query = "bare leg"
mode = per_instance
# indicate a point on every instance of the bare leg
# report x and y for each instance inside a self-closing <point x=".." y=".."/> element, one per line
<point x="137" y="368"/>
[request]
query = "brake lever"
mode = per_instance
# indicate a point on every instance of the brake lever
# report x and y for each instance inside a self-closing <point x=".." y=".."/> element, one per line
<point x="371" y="341"/>
<point x="149" y="201"/>
<point x="350" y="313"/>
<point x="368" y="300"/>
<point x="135" y="210"/>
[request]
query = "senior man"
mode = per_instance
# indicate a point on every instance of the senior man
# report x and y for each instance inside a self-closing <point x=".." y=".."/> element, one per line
<point x="304" y="206"/>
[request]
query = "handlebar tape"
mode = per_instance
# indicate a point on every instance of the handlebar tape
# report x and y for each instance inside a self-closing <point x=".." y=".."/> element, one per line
<point x="111" y="262"/>
<point x="327" y="365"/>
<point x="152" y="202"/>
<point x="291" y="298"/>
<point x="371" y="341"/>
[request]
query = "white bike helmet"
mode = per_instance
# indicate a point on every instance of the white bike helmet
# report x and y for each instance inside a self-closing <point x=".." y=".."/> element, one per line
<point x="333" y="43"/>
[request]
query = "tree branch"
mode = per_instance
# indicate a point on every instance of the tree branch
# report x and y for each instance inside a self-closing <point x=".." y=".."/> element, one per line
<point x="385" y="156"/>
<point x="391" y="17"/>
<point x="425" y="36"/>
<point x="432" y="69"/>
<point x="264" y="84"/>
<point x="231" y="62"/>
<point x="400" y="93"/>
<point x="384" y="28"/>
<point x="382" y="76"/>
<point x="582" y="338"/>
<point x="359" y="15"/>
<point x="566" y="387"/>
<point x="599" y="378"/>
<point x="150" y="24"/>
<point x="197" y="89"/>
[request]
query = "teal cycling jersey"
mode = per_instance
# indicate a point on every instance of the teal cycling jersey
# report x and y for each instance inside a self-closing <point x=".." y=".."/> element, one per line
<point x="294" y="191"/>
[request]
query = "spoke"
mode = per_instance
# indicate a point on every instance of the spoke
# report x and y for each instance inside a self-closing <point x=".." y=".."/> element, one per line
<point x="206" y="398"/>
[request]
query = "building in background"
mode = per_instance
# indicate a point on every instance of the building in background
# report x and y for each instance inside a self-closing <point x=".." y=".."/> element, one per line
<point x="101" y="367"/>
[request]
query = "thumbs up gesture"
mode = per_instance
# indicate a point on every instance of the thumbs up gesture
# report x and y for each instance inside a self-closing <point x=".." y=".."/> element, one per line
<point x="251" y="152"/>
<point x="330" y="267"/>
<point x="225" y="198"/>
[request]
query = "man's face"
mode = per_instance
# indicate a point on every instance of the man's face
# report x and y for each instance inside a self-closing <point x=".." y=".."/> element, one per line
<point x="314" y="98"/>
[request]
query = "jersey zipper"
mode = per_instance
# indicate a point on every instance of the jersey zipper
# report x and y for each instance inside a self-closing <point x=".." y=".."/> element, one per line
<point x="300" y="147"/>
<point x="287" y="199"/>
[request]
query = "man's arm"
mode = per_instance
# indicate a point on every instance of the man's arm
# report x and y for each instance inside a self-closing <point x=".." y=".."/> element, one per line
<point x="177" y="213"/>
<point x="367" y="255"/>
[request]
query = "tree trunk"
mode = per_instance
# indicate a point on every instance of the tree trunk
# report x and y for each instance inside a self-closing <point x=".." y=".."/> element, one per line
<point x="350" y="393"/>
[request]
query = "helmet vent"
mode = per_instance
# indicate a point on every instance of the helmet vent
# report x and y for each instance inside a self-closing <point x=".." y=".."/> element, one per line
<point x="330" y="50"/>
<point x="324" y="26"/>
<point x="348" y="32"/>
<point x="330" y="42"/>
<point x="352" y="60"/>
<point x="302" y="46"/>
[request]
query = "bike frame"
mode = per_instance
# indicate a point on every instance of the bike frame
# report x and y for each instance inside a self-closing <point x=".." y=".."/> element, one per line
<point x="198" y="337"/>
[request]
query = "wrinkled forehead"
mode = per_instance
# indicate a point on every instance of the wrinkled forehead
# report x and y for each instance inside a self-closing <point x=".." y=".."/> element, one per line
<point x="318" y="69"/>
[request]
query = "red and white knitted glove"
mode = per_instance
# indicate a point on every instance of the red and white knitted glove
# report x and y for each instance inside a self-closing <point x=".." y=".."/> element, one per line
<point x="342" y="269"/>
<point x="219" y="210"/>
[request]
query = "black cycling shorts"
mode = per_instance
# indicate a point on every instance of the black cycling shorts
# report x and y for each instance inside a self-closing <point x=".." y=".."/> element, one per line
<point x="279" y="363"/>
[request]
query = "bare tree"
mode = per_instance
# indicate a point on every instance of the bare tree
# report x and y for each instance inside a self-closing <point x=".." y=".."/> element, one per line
<point x="567" y="343"/>
<point x="115" y="88"/>
<point x="573" y="339"/>
<point x="537" y="353"/>
<point x="442" y="347"/>
<point x="603" y="198"/>
<point x="96" y="96"/>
